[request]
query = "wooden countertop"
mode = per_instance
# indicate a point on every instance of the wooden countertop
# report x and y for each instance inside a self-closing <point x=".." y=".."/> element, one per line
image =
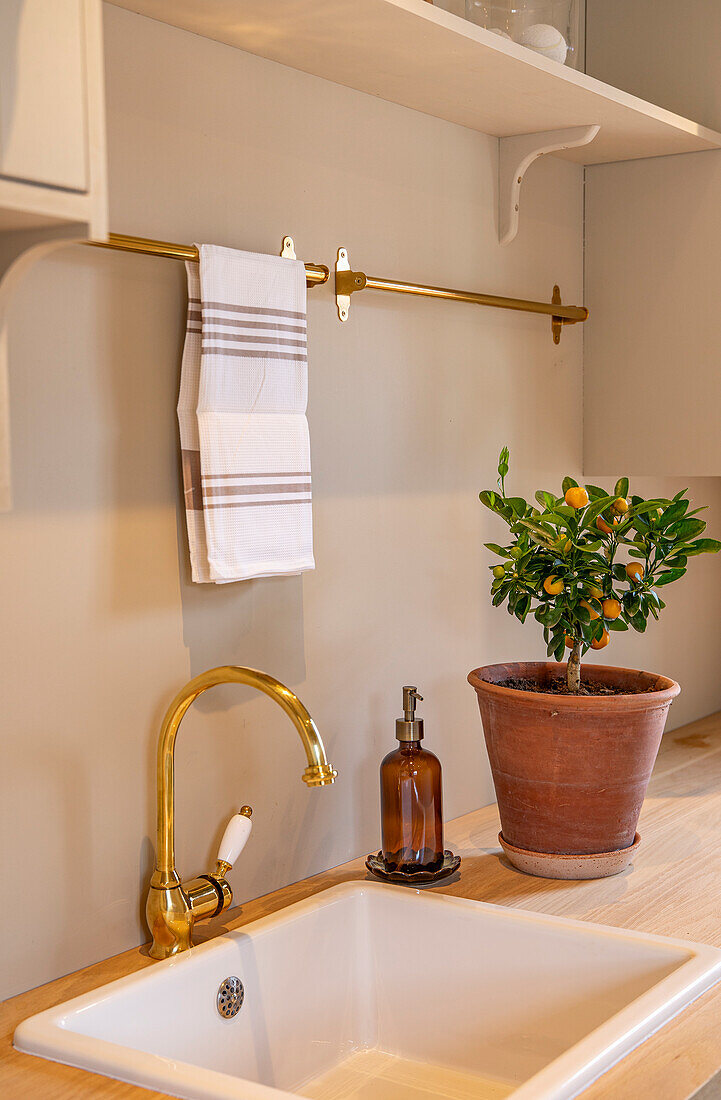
<point x="673" y="889"/>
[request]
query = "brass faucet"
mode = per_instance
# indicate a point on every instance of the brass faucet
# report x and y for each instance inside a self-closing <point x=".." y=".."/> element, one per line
<point x="173" y="906"/>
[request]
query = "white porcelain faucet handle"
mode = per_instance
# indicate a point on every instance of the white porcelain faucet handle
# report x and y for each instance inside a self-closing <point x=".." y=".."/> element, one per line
<point x="235" y="836"/>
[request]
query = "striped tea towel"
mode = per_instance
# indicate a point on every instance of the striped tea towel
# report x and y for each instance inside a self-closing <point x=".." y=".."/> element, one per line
<point x="253" y="442"/>
<point x="189" y="437"/>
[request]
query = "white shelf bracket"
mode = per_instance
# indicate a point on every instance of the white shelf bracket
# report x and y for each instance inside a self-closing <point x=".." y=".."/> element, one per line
<point x="515" y="155"/>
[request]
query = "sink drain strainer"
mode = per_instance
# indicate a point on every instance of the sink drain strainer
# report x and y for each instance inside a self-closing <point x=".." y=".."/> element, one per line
<point x="230" y="997"/>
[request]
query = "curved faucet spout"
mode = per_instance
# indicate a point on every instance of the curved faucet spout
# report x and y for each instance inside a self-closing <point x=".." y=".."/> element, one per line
<point x="165" y="879"/>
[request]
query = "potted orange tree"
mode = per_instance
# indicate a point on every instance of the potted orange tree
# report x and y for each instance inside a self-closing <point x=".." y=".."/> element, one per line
<point x="571" y="749"/>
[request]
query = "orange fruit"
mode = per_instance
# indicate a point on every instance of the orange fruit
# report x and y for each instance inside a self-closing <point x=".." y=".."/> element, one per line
<point x="498" y="572"/>
<point x="595" y="591"/>
<point x="602" y="641"/>
<point x="591" y="610"/>
<point x="570" y="642"/>
<point x="576" y="497"/>
<point x="611" y="609"/>
<point x="620" y="505"/>
<point x="553" y="585"/>
<point x="603" y="526"/>
<point x="634" y="571"/>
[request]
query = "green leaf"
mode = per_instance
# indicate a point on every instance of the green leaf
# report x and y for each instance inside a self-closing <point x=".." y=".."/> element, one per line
<point x="621" y="489"/>
<point x="686" y="530"/>
<point x="595" y="491"/>
<point x="517" y="504"/>
<point x="554" y="616"/>
<point x="636" y="511"/>
<point x="497" y="549"/>
<point x="593" y="511"/>
<point x="557" y="517"/>
<point x="493" y="501"/>
<point x="522" y="607"/>
<point x="568" y="483"/>
<point x="536" y="529"/>
<point x="644" y="506"/>
<point x="676" y="510"/>
<point x="546" y="500"/>
<point x="703" y="546"/>
<point x="670" y="577"/>
<point x="616" y="624"/>
<point x="560" y="647"/>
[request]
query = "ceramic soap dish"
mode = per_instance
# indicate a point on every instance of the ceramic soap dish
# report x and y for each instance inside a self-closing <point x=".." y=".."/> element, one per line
<point x="376" y="865"/>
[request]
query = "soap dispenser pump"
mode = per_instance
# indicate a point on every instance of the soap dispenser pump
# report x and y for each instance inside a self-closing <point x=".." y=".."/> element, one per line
<point x="411" y="809"/>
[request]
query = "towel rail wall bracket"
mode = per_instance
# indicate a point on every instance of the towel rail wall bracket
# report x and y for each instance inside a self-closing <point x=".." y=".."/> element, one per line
<point x="348" y="282"/>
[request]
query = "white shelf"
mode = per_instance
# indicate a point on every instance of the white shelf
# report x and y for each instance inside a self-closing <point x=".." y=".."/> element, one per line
<point x="412" y="53"/>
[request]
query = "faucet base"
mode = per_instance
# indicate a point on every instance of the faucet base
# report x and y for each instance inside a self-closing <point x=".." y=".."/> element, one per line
<point x="170" y="920"/>
<point x="171" y="912"/>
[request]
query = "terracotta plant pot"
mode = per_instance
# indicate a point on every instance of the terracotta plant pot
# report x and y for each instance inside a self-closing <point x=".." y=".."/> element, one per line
<point x="571" y="771"/>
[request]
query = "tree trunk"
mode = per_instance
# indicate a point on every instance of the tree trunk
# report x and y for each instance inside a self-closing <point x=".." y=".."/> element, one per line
<point x="573" y="669"/>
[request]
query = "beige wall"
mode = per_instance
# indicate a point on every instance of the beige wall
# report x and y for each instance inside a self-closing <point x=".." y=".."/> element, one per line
<point x="409" y="404"/>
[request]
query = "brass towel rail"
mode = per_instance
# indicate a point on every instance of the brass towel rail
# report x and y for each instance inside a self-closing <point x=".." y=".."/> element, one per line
<point x="315" y="274"/>
<point x="348" y="282"/>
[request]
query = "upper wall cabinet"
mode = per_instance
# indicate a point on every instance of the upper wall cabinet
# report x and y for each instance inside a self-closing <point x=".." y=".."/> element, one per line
<point x="52" y="127"/>
<point x="665" y="51"/>
<point x="43" y="132"/>
<point x="52" y="147"/>
<point x="652" y="344"/>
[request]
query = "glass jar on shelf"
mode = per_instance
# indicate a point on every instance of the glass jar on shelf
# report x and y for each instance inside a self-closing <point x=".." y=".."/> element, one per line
<point x="551" y="28"/>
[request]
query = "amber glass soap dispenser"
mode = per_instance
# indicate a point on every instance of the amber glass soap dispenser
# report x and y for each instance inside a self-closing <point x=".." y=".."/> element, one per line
<point x="411" y="812"/>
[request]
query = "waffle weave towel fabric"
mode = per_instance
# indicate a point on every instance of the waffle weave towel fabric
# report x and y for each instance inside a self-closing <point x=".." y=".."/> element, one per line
<point x="241" y="411"/>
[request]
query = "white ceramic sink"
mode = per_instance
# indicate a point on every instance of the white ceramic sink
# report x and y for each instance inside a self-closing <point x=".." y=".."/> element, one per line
<point x="373" y="991"/>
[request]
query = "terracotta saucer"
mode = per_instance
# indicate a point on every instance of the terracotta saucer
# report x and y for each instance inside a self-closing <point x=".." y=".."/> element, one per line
<point x="553" y="865"/>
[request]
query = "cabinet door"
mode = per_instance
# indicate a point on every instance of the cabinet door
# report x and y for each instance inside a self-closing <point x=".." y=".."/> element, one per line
<point x="42" y="93"/>
<point x="652" y="343"/>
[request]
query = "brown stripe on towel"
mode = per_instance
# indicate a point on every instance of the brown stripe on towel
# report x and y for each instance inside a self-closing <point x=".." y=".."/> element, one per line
<point x="264" y="473"/>
<point x="233" y="322"/>
<point x="250" y="338"/>
<point x="243" y="353"/>
<point x="192" y="484"/>
<point x="254" y="490"/>
<point x="226" y="307"/>
<point x="256" y="503"/>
